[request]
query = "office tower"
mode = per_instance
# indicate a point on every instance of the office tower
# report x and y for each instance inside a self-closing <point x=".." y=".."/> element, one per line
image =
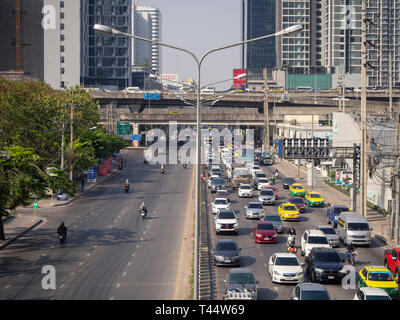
<point x="147" y="24"/>
<point x="383" y="35"/>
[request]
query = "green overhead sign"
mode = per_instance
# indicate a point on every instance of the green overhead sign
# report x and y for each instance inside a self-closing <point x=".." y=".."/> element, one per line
<point x="123" y="128"/>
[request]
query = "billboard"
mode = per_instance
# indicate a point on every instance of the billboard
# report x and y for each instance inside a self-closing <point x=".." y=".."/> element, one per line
<point x="239" y="83"/>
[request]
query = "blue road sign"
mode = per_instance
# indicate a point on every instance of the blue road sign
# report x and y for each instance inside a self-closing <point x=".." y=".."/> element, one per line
<point x="135" y="137"/>
<point x="152" y="95"/>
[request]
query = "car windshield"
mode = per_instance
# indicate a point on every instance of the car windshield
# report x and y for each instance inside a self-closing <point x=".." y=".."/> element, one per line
<point x="245" y="187"/>
<point x="326" y="256"/>
<point x="289" y="180"/>
<point x="370" y="297"/>
<point x="263" y="180"/>
<point x="228" y="246"/>
<point x="315" y="195"/>
<point x="272" y="218"/>
<point x="226" y="215"/>
<point x="297" y="187"/>
<point x="314" y="295"/>
<point x="267" y="193"/>
<point x="255" y="206"/>
<point x="265" y="226"/>
<point x="218" y="181"/>
<point x="286" y="261"/>
<point x="220" y="201"/>
<point x="297" y="200"/>
<point x="256" y="168"/>
<point x="328" y="230"/>
<point x="242" y="278"/>
<point x="358" y="226"/>
<point x="339" y="210"/>
<point x="317" y="240"/>
<point x="380" y="276"/>
<point x="290" y="208"/>
<point x="260" y="174"/>
<point x="222" y="193"/>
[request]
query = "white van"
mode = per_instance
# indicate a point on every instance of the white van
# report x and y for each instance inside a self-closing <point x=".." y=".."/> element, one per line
<point x="353" y="228"/>
<point x="132" y="90"/>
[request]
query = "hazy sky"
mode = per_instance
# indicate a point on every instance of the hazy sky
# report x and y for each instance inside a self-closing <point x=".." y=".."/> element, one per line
<point x="199" y="26"/>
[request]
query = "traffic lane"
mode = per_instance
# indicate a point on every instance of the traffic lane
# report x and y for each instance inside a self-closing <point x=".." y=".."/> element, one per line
<point x="75" y="248"/>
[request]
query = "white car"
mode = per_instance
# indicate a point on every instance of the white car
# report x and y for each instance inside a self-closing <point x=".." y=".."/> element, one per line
<point x="254" y="169"/>
<point x="210" y="179"/>
<point x="263" y="182"/>
<point x="245" y="190"/>
<point x="369" y="293"/>
<point x="285" y="268"/>
<point x="226" y="221"/>
<point x="312" y="239"/>
<point x="219" y="204"/>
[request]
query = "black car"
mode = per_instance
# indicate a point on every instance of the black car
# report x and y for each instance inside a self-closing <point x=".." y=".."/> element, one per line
<point x="217" y="184"/>
<point x="226" y="253"/>
<point x="324" y="264"/>
<point x="241" y="282"/>
<point x="287" y="182"/>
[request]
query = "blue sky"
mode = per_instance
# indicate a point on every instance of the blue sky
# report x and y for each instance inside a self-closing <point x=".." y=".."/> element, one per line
<point x="199" y="26"/>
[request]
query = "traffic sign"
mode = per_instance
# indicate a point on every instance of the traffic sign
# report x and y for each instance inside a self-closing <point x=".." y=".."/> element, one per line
<point x="135" y="137"/>
<point x="123" y="128"/>
<point x="152" y="95"/>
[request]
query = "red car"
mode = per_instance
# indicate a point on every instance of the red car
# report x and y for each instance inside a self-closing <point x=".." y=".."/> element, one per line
<point x="392" y="261"/>
<point x="264" y="232"/>
<point x="274" y="189"/>
<point x="299" y="203"/>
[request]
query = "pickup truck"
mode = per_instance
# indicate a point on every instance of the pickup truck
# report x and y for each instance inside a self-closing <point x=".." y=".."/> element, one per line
<point x="333" y="213"/>
<point x="392" y="261"/>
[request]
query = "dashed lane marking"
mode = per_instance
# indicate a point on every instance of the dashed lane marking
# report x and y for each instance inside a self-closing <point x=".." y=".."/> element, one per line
<point x="124" y="274"/>
<point x="118" y="285"/>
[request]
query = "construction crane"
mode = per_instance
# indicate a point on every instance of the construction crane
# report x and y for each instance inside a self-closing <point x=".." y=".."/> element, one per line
<point x="18" y="58"/>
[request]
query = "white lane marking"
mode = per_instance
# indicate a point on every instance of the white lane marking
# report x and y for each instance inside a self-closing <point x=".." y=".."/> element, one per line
<point x="62" y="286"/>
<point x="88" y="255"/>
<point x="137" y="246"/>
<point x="95" y="246"/>
<point x="118" y="285"/>
<point x="129" y="263"/>
<point x="276" y="288"/>
<point x="80" y="263"/>
<point x="7" y="286"/>
<point x="52" y="247"/>
<point x="124" y="274"/>
<point x="72" y="273"/>
<point x="21" y="274"/>
<point x="44" y="254"/>
<point x="111" y="298"/>
<point x="133" y="254"/>
<point x="141" y="239"/>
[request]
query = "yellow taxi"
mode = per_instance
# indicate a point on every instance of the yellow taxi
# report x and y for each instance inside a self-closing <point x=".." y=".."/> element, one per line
<point x="297" y="190"/>
<point x="314" y="199"/>
<point x="378" y="277"/>
<point x="288" y="211"/>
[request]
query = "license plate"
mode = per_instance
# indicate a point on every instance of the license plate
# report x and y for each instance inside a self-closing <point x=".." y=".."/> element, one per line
<point x="331" y="277"/>
<point x="227" y="261"/>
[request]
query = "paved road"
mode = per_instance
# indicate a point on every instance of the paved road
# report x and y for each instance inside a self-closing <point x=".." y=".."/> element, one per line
<point x="255" y="255"/>
<point x="111" y="252"/>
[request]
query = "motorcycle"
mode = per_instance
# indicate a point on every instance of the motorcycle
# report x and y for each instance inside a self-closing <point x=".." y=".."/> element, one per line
<point x="162" y="170"/>
<point x="62" y="237"/>
<point x="290" y="244"/>
<point x="143" y="213"/>
<point x="184" y="166"/>
<point x="351" y="257"/>
<point x="126" y="188"/>
<point x="273" y="179"/>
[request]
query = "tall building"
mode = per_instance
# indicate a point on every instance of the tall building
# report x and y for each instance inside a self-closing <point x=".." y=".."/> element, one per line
<point x="147" y="24"/>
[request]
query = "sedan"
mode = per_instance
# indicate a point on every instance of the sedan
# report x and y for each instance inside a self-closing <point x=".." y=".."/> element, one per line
<point x="217" y="184"/>
<point x="299" y="203"/>
<point x="273" y="189"/>
<point x="226" y="253"/>
<point x="331" y="235"/>
<point x="211" y="179"/>
<point x="245" y="190"/>
<point x="264" y="232"/>
<point x="286" y="268"/>
<point x="222" y="194"/>
<point x="276" y="220"/>
<point x="287" y="182"/>
<point x="267" y="196"/>
<point x="219" y="204"/>
<point x="254" y="210"/>
<point x="310" y="291"/>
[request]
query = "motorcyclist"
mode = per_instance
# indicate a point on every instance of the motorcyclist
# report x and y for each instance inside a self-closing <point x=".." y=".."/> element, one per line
<point x="292" y="232"/>
<point x="162" y="167"/>
<point x="349" y="249"/>
<point x="62" y="230"/>
<point x="273" y="179"/>
<point x="126" y="183"/>
<point x="276" y="174"/>
<point x="143" y="208"/>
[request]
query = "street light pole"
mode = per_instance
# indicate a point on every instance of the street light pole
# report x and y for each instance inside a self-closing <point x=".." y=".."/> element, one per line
<point x="105" y="30"/>
<point x="71" y="173"/>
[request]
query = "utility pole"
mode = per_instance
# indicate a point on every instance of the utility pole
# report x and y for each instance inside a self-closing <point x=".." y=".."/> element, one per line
<point x="62" y="144"/>
<point x="71" y="173"/>
<point x="312" y="160"/>
<point x="390" y="86"/>
<point x="363" y="165"/>
<point x="394" y="218"/>
<point x="266" y="114"/>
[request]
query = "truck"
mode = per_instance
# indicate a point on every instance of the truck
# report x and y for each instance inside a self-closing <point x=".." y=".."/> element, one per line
<point x="240" y="175"/>
<point x="267" y="158"/>
<point x="392" y="261"/>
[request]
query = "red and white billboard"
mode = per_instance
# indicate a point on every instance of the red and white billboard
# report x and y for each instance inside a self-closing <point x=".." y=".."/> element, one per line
<point x="241" y="82"/>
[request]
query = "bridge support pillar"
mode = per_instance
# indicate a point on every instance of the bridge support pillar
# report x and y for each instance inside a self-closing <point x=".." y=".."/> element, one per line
<point x="135" y="130"/>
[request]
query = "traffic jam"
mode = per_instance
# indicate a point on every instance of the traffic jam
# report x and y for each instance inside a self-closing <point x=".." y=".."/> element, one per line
<point x="275" y="238"/>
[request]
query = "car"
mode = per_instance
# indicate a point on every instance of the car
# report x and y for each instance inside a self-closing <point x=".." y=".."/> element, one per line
<point x="226" y="221"/>
<point x="261" y="183"/>
<point x="241" y="281"/>
<point x="324" y="264"/>
<point x="210" y="180"/>
<point x="218" y="204"/>
<point x="392" y="261"/>
<point x="267" y="196"/>
<point x="259" y="174"/>
<point x="299" y="203"/>
<point x="254" y="210"/>
<point x="216" y="171"/>
<point x="288" y="211"/>
<point x="217" y="184"/>
<point x="285" y="268"/>
<point x="378" y="277"/>
<point x="297" y="190"/>
<point x="368" y="293"/>
<point x="226" y="253"/>
<point x="255" y="169"/>
<point x="264" y="232"/>
<point x="314" y="199"/>
<point x="245" y="190"/>
<point x="273" y="188"/>
<point x="334" y="212"/>
<point x="311" y="239"/>
<point x="287" y="182"/>
<point x="223" y="194"/>
<point x="276" y="220"/>
<point x="331" y="235"/>
<point x="310" y="291"/>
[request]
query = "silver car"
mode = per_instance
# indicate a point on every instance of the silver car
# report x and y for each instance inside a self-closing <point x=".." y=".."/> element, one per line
<point x="254" y="210"/>
<point x="331" y="235"/>
<point x="276" y="220"/>
<point x="267" y="196"/>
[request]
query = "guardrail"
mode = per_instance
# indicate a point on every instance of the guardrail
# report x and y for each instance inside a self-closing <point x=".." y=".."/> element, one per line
<point x="206" y="272"/>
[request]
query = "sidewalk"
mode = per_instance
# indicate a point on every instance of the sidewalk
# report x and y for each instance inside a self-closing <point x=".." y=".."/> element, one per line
<point x="17" y="225"/>
<point x="377" y="221"/>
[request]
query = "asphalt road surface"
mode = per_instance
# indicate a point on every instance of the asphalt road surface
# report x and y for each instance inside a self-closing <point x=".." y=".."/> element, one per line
<point x="111" y="252"/>
<point x="255" y="256"/>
